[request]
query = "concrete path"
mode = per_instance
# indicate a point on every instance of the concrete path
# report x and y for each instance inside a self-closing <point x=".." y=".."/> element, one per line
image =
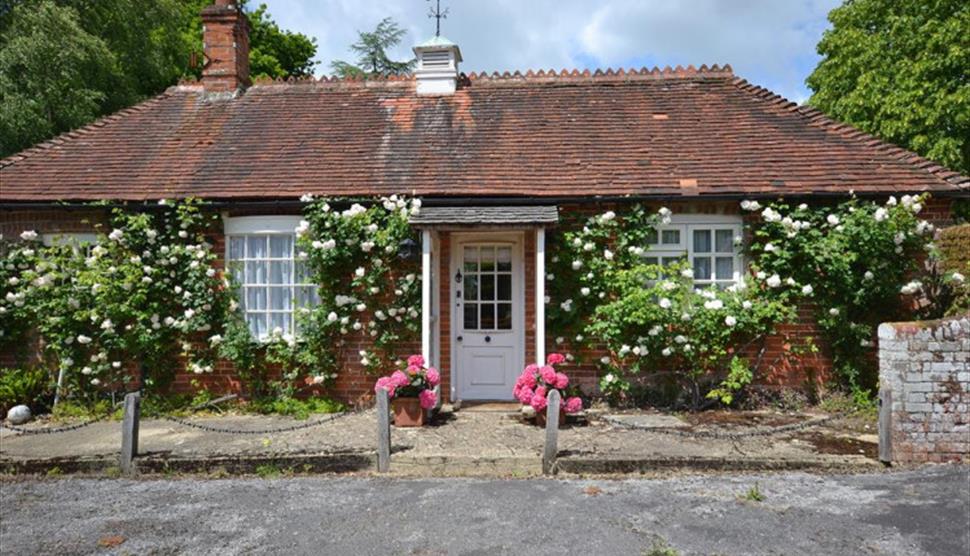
<point x="906" y="513"/>
<point x="465" y="442"/>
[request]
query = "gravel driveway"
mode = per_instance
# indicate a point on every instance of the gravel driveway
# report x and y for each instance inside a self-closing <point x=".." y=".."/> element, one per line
<point x="925" y="511"/>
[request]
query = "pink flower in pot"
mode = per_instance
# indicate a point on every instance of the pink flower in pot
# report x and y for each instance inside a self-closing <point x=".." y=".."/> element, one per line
<point x="428" y="399"/>
<point x="573" y="405"/>
<point x="400" y="379"/>
<point x="386" y="383"/>
<point x="555" y="359"/>
<point x="548" y="374"/>
<point x="538" y="402"/>
<point x="433" y="377"/>
<point x="525" y="395"/>
<point x="561" y="381"/>
<point x="416" y="361"/>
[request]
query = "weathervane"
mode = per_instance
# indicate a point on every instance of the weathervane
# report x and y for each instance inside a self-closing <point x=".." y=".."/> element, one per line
<point x="436" y="13"/>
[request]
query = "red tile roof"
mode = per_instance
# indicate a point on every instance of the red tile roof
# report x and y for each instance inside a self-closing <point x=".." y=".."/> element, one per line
<point x="683" y="132"/>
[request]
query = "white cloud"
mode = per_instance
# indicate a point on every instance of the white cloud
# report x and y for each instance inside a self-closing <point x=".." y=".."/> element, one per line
<point x="769" y="42"/>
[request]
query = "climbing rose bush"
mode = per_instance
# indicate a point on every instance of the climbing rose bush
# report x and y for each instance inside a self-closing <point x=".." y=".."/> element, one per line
<point x="858" y="263"/>
<point x="533" y="386"/>
<point x="416" y="380"/>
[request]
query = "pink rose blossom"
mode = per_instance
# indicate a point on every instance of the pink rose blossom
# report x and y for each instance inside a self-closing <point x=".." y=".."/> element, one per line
<point x="541" y="391"/>
<point x="525" y="396"/>
<point x="548" y="374"/>
<point x="528" y="377"/>
<point x="428" y="399"/>
<point x="555" y="359"/>
<point x="412" y="370"/>
<point x="562" y="381"/>
<point x="538" y="402"/>
<point x="400" y="379"/>
<point x="416" y="361"/>
<point x="432" y="376"/>
<point x="573" y="405"/>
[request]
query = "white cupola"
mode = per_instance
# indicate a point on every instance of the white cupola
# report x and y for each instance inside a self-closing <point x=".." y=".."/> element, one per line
<point x="437" y="70"/>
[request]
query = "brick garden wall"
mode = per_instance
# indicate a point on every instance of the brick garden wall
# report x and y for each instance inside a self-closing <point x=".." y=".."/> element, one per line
<point x="926" y="365"/>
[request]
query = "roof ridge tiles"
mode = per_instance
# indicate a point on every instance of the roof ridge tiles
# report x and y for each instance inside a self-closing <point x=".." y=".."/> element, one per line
<point x="818" y="118"/>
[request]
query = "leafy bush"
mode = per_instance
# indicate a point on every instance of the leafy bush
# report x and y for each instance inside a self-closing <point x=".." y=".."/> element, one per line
<point x="32" y="387"/>
<point x="299" y="408"/>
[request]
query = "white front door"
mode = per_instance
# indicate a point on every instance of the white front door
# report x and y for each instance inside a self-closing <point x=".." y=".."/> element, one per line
<point x="488" y="319"/>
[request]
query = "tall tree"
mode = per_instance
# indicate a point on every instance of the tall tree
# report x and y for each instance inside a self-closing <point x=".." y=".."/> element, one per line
<point x="371" y="49"/>
<point x="900" y="69"/>
<point x="65" y="62"/>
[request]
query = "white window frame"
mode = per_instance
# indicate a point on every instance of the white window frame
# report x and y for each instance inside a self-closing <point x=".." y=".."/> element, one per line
<point x="260" y="226"/>
<point x="687" y="224"/>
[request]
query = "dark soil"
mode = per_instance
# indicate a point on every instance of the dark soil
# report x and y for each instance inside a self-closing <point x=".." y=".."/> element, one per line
<point x="838" y="445"/>
<point x="728" y="419"/>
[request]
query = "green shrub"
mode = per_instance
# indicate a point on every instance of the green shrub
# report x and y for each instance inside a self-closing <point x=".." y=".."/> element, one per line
<point x="295" y="407"/>
<point x="32" y="387"/>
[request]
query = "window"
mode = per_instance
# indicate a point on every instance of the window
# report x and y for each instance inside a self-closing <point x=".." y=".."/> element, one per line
<point x="79" y="241"/>
<point x="487" y="287"/>
<point x="708" y="243"/>
<point x="272" y="279"/>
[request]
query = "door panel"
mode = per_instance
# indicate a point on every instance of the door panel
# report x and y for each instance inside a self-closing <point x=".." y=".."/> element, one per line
<point x="488" y="324"/>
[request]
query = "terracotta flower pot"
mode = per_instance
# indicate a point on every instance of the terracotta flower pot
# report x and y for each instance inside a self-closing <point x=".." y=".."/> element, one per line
<point x="541" y="417"/>
<point x="407" y="412"/>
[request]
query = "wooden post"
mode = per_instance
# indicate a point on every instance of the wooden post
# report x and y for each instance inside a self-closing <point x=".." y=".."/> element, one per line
<point x="552" y="433"/>
<point x="383" y="432"/>
<point x="885" y="425"/>
<point x="129" y="432"/>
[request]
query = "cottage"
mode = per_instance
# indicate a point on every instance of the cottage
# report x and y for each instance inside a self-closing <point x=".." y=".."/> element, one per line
<point x="497" y="160"/>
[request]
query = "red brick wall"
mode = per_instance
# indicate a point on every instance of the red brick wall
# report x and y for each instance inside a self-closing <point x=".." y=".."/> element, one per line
<point x="354" y="383"/>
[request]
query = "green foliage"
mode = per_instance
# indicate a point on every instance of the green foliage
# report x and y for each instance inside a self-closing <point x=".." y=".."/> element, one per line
<point x="754" y="494"/>
<point x="298" y="408"/>
<point x="143" y="300"/>
<point x="371" y="50"/>
<point x="661" y="548"/>
<point x="651" y="319"/>
<point x="32" y="387"/>
<point x="898" y="69"/>
<point x="852" y="261"/>
<point x="64" y="63"/>
<point x="738" y="377"/>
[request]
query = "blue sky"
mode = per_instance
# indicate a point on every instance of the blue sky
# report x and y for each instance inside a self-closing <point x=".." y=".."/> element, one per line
<point x="769" y="42"/>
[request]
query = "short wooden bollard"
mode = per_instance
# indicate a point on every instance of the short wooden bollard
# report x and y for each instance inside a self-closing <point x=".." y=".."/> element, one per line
<point x="552" y="433"/>
<point x="383" y="432"/>
<point x="129" y="432"/>
<point x="885" y="425"/>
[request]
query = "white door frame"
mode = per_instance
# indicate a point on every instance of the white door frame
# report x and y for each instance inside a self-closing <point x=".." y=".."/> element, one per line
<point x="458" y="239"/>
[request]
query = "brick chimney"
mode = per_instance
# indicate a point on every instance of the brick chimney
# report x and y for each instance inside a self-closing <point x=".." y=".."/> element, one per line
<point x="225" y="42"/>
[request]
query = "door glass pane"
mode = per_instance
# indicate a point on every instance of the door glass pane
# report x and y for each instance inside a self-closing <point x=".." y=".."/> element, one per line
<point x="702" y="241"/>
<point x="471" y="287"/>
<point x="280" y="299"/>
<point x="724" y="241"/>
<point x="471" y="259"/>
<point x="488" y="259"/>
<point x="702" y="268"/>
<point x="487" y="316"/>
<point x="237" y="248"/>
<point x="504" y="287"/>
<point x="724" y="268"/>
<point x="280" y="246"/>
<point x="504" y="259"/>
<point x="670" y="237"/>
<point x="256" y="247"/>
<point x="488" y="287"/>
<point x="255" y="272"/>
<point x="504" y="316"/>
<point x="279" y="272"/>
<point x="471" y="316"/>
<point x="255" y="299"/>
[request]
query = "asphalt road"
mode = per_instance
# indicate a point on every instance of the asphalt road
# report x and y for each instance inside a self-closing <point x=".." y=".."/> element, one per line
<point x="913" y="512"/>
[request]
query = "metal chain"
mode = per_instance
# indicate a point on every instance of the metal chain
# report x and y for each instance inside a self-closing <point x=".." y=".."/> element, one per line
<point x="724" y="435"/>
<point x="274" y="430"/>
<point x="27" y="432"/>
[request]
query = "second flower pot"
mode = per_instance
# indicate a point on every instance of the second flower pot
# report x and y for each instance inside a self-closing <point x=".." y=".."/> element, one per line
<point x="408" y="412"/>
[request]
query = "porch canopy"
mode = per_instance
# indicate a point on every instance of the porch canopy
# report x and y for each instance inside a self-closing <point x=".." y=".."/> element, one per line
<point x="431" y="219"/>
